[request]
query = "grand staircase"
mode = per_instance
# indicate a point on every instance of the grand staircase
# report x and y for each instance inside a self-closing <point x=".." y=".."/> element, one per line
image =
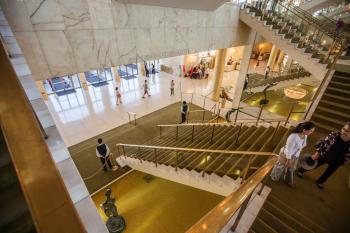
<point x="333" y="109"/>
<point x="15" y="216"/>
<point x="251" y="138"/>
<point x="286" y="30"/>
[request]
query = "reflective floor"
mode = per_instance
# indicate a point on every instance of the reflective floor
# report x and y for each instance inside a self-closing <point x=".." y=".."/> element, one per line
<point x="84" y="114"/>
<point x="282" y="105"/>
<point x="158" y="206"/>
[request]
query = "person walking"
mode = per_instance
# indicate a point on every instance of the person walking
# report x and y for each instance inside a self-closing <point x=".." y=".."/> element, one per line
<point x="103" y="152"/>
<point x="184" y="110"/>
<point x="289" y="153"/>
<point x="118" y="95"/>
<point x="153" y="69"/>
<point x="172" y="88"/>
<point x="145" y="89"/>
<point x="333" y="150"/>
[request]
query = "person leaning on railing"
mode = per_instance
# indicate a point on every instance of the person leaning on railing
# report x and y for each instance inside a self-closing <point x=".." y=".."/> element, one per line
<point x="289" y="153"/>
<point x="333" y="150"/>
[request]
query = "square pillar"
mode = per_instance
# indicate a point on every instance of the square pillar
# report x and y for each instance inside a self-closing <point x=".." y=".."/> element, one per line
<point x="83" y="81"/>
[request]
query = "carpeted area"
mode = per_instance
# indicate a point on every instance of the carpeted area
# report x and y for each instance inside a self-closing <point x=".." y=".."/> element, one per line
<point x="330" y="207"/>
<point x="84" y="154"/>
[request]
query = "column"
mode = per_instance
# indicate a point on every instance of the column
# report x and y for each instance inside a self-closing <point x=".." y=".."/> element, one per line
<point x="41" y="88"/>
<point x="83" y="81"/>
<point x="115" y="74"/>
<point x="272" y="57"/>
<point x="238" y="87"/>
<point x="218" y="75"/>
<point x="141" y="68"/>
<point x="279" y="60"/>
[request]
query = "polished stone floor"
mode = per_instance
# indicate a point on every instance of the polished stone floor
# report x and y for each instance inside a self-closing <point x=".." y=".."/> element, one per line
<point x="85" y="114"/>
<point x="282" y="105"/>
<point x="158" y="206"/>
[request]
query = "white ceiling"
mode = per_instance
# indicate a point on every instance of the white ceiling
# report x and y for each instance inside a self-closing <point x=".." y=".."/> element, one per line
<point x="207" y="5"/>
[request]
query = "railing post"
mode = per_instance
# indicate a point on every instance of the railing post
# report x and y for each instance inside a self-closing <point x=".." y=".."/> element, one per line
<point x="260" y="112"/>
<point x="205" y="159"/>
<point x="139" y="154"/>
<point x="203" y="115"/>
<point x="239" y="131"/>
<point x="274" y="133"/>
<point x="240" y="213"/>
<point x="160" y="131"/>
<point x="129" y="118"/>
<point x="188" y="116"/>
<point x="289" y="114"/>
<point x="192" y="98"/>
<point x="177" y="132"/>
<point x="263" y="183"/>
<point x="236" y="117"/>
<point x="246" y="170"/>
<point x="123" y="148"/>
<point x="177" y="160"/>
<point x="155" y="157"/>
<point x="212" y="135"/>
<point x="134" y="119"/>
<point x="192" y="132"/>
<point x="118" y="149"/>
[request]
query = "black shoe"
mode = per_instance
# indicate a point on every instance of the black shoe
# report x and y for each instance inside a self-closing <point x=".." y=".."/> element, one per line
<point x="320" y="186"/>
<point x="300" y="174"/>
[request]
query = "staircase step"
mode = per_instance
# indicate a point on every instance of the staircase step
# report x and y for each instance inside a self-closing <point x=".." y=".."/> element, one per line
<point x="260" y="226"/>
<point x="329" y="120"/>
<point x="13" y="205"/>
<point x="339" y="92"/>
<point x="275" y="221"/>
<point x="336" y="98"/>
<point x="331" y="104"/>
<point x="331" y="113"/>
<point x="340" y="85"/>
<point x="286" y="218"/>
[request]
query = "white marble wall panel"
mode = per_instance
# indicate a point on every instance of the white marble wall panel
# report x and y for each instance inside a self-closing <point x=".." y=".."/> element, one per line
<point x="101" y="14"/>
<point x="126" y="45"/>
<point x="107" y="47"/>
<point x="45" y="14"/>
<point x="80" y="35"/>
<point x="58" y="53"/>
<point x="84" y="48"/>
<point x="31" y="48"/>
<point x="76" y="14"/>
<point x="17" y="15"/>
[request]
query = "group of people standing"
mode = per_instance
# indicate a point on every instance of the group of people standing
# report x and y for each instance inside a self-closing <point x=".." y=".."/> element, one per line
<point x="333" y="150"/>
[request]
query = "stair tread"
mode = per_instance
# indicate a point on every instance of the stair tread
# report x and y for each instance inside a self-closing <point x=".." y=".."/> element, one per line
<point x="334" y="111"/>
<point x="335" y="104"/>
<point x="328" y="118"/>
<point x="336" y="96"/>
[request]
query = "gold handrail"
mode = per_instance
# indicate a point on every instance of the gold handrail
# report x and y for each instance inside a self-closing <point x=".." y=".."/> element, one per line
<point x="222" y="124"/>
<point x="197" y="150"/>
<point x="217" y="218"/>
<point x="48" y="200"/>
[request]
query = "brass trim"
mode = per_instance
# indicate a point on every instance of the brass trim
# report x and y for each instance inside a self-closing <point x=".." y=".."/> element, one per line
<point x="217" y="218"/>
<point x="48" y="200"/>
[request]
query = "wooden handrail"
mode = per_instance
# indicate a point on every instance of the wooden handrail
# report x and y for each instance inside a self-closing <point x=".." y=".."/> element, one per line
<point x="48" y="200"/>
<point x="198" y="150"/>
<point x="217" y="218"/>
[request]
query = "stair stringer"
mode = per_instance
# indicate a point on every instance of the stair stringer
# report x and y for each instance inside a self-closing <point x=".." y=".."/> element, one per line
<point x="212" y="183"/>
<point x="312" y="65"/>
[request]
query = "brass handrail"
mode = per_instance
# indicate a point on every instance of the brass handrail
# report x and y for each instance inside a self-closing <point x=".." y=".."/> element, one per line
<point x="222" y="124"/>
<point x="46" y="195"/>
<point x="217" y="218"/>
<point x="183" y="149"/>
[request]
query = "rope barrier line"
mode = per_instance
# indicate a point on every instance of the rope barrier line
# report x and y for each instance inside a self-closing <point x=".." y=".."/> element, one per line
<point x="101" y="168"/>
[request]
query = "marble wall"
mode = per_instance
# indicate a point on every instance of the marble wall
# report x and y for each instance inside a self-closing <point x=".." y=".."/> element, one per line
<point x="60" y="37"/>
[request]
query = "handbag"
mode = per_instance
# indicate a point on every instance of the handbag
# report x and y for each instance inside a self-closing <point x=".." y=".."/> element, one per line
<point x="280" y="167"/>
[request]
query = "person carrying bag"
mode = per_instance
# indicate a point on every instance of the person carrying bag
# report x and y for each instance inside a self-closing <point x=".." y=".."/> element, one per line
<point x="289" y="153"/>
